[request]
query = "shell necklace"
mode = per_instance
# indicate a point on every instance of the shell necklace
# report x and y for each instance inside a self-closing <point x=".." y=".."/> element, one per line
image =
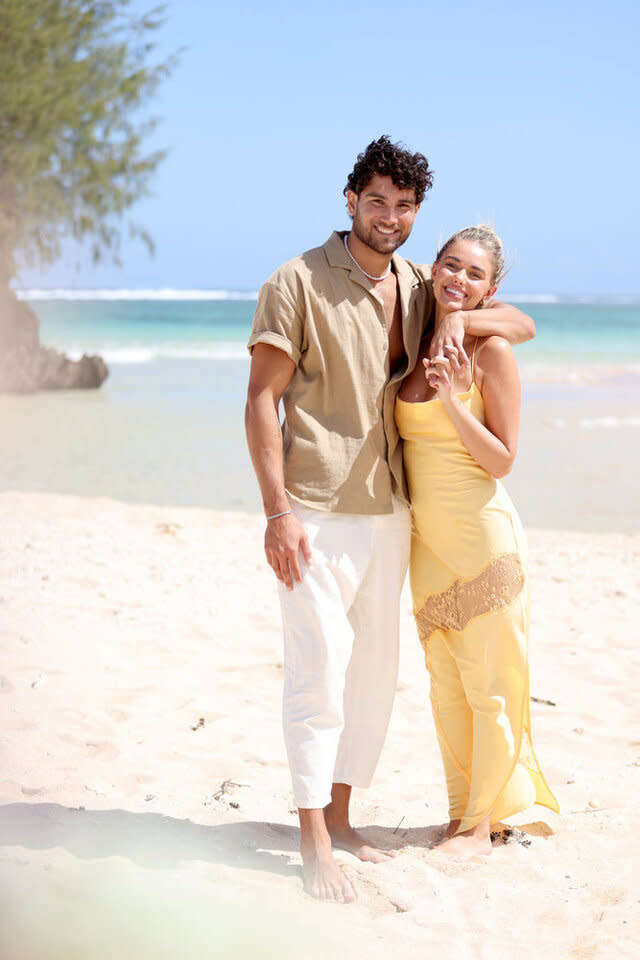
<point x="383" y="276"/>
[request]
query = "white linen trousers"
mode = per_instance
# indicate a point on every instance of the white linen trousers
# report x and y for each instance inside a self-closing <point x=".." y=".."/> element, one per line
<point x="341" y="630"/>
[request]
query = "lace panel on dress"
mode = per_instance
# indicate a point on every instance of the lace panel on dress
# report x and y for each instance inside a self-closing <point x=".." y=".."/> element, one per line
<point x="495" y="588"/>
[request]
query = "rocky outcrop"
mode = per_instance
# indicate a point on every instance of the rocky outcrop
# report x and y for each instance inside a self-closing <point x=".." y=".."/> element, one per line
<point x="27" y="366"/>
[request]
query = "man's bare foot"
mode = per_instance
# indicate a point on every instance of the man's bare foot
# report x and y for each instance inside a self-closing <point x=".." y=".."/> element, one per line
<point x="336" y="817"/>
<point x="465" y="846"/>
<point x="323" y="878"/>
<point x="346" y="838"/>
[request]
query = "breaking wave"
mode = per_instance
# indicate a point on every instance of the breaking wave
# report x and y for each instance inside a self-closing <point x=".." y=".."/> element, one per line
<point x="167" y="294"/>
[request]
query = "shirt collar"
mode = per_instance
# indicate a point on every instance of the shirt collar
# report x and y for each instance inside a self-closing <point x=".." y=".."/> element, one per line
<point x="338" y="257"/>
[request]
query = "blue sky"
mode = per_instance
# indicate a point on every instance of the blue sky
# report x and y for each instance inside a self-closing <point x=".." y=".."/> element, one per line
<point x="527" y="113"/>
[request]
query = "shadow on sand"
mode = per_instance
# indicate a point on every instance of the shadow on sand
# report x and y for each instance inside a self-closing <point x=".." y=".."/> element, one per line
<point x="150" y="840"/>
<point x="153" y="840"/>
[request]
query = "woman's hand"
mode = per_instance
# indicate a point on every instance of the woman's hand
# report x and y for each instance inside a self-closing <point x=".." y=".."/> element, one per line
<point x="492" y="444"/>
<point x="439" y="375"/>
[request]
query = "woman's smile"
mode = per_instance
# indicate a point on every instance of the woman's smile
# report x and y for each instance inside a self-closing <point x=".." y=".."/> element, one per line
<point x="455" y="293"/>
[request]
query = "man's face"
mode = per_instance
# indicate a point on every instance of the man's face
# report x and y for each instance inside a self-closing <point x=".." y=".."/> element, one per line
<point x="382" y="213"/>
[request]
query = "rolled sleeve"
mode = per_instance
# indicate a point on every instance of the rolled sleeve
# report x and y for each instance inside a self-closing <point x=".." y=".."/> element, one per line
<point x="277" y="322"/>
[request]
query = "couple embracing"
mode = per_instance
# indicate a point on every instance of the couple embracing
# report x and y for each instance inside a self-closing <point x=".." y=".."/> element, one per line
<point x="401" y="397"/>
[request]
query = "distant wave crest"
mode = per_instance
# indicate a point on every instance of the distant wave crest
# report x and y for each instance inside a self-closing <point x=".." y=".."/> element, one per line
<point x="578" y="299"/>
<point x="146" y="353"/>
<point x="594" y="423"/>
<point x="173" y="294"/>
<point x="585" y="373"/>
<point x="165" y="294"/>
<point x="143" y="353"/>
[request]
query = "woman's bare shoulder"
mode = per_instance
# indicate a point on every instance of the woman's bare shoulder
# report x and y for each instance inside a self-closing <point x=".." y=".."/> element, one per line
<point x="494" y="351"/>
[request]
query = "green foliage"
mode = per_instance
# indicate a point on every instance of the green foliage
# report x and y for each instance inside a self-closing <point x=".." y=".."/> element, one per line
<point x="75" y="83"/>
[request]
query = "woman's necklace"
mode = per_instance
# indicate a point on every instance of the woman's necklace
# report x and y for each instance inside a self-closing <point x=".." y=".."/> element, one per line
<point x="369" y="275"/>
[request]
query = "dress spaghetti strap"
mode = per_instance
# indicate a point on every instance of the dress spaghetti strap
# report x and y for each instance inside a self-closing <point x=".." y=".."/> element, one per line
<point x="473" y="362"/>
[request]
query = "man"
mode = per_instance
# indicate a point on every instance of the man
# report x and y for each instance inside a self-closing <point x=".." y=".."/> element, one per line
<point x="334" y="332"/>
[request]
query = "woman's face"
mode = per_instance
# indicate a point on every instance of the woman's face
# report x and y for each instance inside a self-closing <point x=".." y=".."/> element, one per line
<point x="463" y="276"/>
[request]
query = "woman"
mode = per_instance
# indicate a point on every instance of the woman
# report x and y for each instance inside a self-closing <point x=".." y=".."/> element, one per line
<point x="468" y="560"/>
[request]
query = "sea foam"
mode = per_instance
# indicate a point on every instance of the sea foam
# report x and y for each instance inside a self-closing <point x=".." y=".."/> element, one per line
<point x="579" y="373"/>
<point x="593" y="423"/>
<point x="609" y="423"/>
<point x="128" y="354"/>
<point x="166" y="294"/>
<point x="175" y="294"/>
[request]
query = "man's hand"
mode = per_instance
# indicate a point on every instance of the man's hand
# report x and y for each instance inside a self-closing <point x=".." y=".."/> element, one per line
<point x="283" y="540"/>
<point x="448" y="338"/>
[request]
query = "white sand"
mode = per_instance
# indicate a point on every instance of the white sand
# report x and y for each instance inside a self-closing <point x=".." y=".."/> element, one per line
<point x="145" y="805"/>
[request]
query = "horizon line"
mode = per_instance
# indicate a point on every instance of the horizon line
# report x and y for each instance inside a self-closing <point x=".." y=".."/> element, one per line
<point x="202" y="294"/>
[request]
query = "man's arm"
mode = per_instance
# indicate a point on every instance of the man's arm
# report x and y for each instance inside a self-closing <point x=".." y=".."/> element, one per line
<point x="271" y="373"/>
<point x="500" y="319"/>
<point x="496" y="319"/>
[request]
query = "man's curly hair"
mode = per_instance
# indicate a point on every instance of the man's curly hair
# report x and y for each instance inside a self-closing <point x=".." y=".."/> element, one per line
<point x="409" y="171"/>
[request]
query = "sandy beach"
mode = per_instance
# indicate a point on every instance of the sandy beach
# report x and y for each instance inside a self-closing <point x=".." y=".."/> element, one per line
<point x="180" y="182"/>
<point x="145" y="798"/>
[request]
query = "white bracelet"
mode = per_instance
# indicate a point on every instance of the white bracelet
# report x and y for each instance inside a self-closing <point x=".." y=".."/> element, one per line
<point x="274" y="516"/>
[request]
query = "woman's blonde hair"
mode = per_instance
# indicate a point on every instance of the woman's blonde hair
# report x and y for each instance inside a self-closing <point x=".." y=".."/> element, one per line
<point x="486" y="237"/>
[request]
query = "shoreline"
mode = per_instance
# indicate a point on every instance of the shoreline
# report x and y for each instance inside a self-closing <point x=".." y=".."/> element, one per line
<point x="256" y="516"/>
<point x="172" y="432"/>
<point x="145" y="779"/>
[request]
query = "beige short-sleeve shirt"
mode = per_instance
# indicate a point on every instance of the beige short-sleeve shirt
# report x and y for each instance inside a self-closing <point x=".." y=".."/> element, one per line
<point x="342" y="452"/>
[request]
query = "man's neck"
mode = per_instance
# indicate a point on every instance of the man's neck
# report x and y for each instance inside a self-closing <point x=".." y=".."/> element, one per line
<point x="370" y="260"/>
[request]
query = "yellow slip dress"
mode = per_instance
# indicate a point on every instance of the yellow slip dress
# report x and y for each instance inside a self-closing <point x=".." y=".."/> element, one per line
<point x="470" y="598"/>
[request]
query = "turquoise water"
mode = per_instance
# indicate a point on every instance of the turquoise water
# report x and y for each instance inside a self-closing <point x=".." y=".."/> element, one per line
<point x="583" y="337"/>
<point x="142" y="331"/>
<point x="167" y="426"/>
<point x="574" y="341"/>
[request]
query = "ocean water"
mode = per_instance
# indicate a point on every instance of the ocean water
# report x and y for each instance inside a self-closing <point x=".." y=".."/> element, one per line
<point x="142" y="331"/>
<point x="576" y="342"/>
<point x="167" y="426"/>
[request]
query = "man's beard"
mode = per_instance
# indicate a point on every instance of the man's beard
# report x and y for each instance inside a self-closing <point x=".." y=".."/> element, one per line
<point x="376" y="241"/>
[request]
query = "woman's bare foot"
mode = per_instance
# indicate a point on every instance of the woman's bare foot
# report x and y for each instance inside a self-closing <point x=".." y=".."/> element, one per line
<point x="465" y="846"/>
<point x="470" y="843"/>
